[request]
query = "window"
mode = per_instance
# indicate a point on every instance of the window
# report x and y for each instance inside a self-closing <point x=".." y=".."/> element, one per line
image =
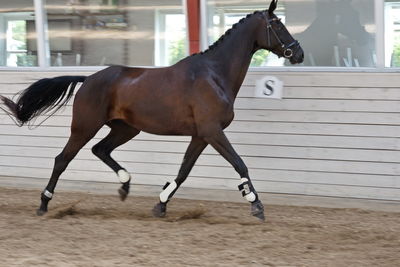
<point x="171" y="40"/>
<point x="392" y="34"/>
<point x="332" y="33"/>
<point x="15" y="16"/>
<point x="104" y="32"/>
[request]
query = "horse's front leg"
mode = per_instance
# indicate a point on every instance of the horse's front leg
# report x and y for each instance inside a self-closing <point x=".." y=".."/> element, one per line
<point x="194" y="150"/>
<point x="220" y="143"/>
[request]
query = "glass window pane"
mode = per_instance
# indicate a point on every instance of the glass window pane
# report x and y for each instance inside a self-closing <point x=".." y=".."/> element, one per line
<point x="17" y="24"/>
<point x="331" y="33"/>
<point x="392" y="34"/>
<point x="104" y="32"/>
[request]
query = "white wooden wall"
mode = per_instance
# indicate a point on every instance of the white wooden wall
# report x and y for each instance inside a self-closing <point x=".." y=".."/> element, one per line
<point x="333" y="134"/>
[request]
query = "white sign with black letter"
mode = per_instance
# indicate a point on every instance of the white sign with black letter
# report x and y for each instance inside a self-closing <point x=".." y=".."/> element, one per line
<point x="269" y="87"/>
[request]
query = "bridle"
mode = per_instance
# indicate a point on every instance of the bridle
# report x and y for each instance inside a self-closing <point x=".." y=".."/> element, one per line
<point x="287" y="49"/>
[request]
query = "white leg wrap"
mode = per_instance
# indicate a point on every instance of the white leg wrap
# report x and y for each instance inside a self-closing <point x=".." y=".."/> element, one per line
<point x="48" y="194"/>
<point x="164" y="196"/>
<point x="247" y="194"/>
<point x="123" y="176"/>
<point x="251" y="197"/>
<point x="243" y="180"/>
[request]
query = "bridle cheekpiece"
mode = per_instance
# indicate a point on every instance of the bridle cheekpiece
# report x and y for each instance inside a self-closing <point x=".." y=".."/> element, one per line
<point x="287" y="49"/>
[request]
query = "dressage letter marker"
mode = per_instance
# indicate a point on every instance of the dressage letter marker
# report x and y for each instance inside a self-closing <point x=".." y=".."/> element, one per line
<point x="269" y="87"/>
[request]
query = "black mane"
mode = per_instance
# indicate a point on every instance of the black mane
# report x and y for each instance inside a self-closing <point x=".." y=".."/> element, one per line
<point x="228" y="32"/>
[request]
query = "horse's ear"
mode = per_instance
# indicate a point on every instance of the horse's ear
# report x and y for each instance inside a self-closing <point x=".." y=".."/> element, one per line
<point x="272" y="6"/>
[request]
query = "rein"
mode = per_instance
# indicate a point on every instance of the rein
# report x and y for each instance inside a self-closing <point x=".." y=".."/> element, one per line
<point x="287" y="49"/>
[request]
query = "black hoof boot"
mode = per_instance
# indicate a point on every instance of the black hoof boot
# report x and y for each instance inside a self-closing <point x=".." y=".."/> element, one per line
<point x="43" y="205"/>
<point x="124" y="191"/>
<point x="257" y="210"/>
<point x="160" y="210"/>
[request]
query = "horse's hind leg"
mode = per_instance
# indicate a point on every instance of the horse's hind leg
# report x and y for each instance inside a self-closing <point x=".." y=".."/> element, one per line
<point x="79" y="137"/>
<point x="196" y="146"/>
<point x="120" y="134"/>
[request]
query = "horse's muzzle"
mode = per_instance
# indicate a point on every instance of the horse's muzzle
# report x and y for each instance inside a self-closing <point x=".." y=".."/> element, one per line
<point x="298" y="56"/>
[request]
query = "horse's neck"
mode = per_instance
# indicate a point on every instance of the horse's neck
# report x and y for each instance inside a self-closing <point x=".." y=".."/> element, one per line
<point x="231" y="58"/>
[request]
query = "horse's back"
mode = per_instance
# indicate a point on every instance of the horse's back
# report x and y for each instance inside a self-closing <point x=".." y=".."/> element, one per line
<point x="154" y="100"/>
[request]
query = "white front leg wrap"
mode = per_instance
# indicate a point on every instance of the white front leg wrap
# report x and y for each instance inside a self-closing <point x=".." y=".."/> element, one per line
<point x="246" y="192"/>
<point x="165" y="195"/>
<point x="48" y="194"/>
<point x="123" y="176"/>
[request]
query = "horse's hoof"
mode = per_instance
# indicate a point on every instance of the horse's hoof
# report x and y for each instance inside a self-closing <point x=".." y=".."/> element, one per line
<point x="160" y="210"/>
<point x="40" y="212"/>
<point x="122" y="194"/>
<point x="257" y="210"/>
<point x="260" y="216"/>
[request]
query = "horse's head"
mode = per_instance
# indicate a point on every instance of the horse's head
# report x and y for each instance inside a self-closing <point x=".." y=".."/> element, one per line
<point x="274" y="37"/>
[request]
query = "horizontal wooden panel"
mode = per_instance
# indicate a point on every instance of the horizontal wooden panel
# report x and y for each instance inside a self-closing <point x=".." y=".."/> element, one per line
<point x="14" y="88"/>
<point x="290" y="93"/>
<point x="258" y="176"/>
<point x="243" y="126"/>
<point x="158" y="158"/>
<point x="247" y="150"/>
<point x="28" y="77"/>
<point x="318" y="116"/>
<point x="306" y="92"/>
<point x="315" y="128"/>
<point x="377" y="168"/>
<point x="316" y="178"/>
<point x="290" y="78"/>
<point x="310" y="85"/>
<point x="272" y="116"/>
<point x="336" y="79"/>
<point x="231" y="184"/>
<point x="212" y="166"/>
<point x="373" y="143"/>
<point x="343" y="79"/>
<point x="343" y="105"/>
<point x="278" y="116"/>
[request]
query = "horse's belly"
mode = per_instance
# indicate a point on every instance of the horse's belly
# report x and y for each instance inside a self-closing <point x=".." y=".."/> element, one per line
<point x="175" y="129"/>
<point x="163" y="123"/>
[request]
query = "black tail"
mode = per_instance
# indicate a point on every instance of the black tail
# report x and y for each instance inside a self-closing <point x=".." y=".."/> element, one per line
<point x="41" y="97"/>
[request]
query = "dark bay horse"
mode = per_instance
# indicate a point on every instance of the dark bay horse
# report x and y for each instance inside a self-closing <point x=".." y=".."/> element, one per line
<point x="194" y="97"/>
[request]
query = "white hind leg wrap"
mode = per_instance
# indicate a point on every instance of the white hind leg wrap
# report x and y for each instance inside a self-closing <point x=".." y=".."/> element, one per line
<point x="123" y="176"/>
<point x="246" y="191"/>
<point x="169" y="190"/>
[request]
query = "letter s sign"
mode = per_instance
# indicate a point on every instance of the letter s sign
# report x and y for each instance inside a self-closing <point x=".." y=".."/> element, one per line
<point x="269" y="87"/>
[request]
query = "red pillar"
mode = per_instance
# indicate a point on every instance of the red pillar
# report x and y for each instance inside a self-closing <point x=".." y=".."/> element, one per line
<point x="193" y="11"/>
